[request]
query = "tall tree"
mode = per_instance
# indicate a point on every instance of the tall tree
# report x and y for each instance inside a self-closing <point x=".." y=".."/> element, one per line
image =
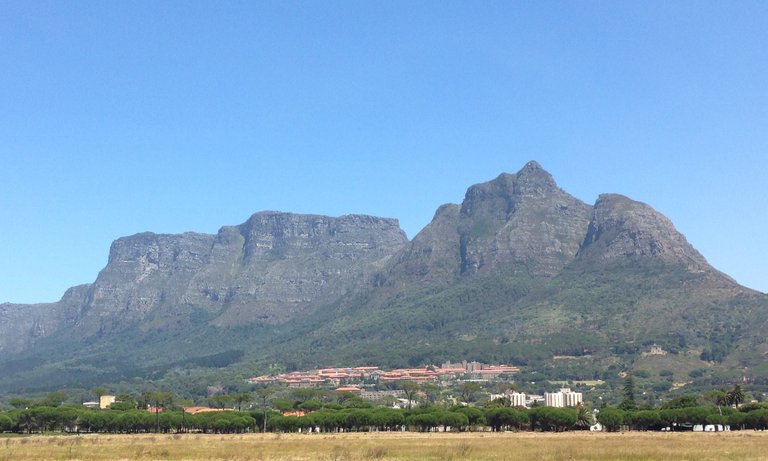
<point x="735" y="396"/>
<point x="54" y="399"/>
<point x="628" y="392"/>
<point x="584" y="418"/>
<point x="718" y="398"/>
<point x="159" y="400"/>
<point x="264" y="394"/>
<point x="468" y="389"/>
<point x="410" y="388"/>
<point x="242" y="398"/>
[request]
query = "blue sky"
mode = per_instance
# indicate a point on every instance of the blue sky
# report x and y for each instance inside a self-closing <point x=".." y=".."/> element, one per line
<point x="121" y="117"/>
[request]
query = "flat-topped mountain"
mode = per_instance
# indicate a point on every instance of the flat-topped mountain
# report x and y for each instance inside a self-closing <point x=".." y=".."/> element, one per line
<point x="519" y="272"/>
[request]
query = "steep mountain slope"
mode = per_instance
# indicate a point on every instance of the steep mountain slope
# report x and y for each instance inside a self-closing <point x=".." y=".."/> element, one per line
<point x="520" y="271"/>
<point x="521" y="222"/>
<point x="158" y="291"/>
<point x="270" y="269"/>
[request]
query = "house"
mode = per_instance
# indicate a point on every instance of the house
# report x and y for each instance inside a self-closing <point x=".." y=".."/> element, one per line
<point x="105" y="401"/>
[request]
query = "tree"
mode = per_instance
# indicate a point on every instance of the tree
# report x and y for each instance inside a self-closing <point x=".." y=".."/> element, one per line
<point x="468" y="389"/>
<point x="611" y="418"/>
<point x="159" y="400"/>
<point x="432" y="391"/>
<point x="735" y="396"/>
<point x="684" y="401"/>
<point x="125" y="397"/>
<point x="718" y="398"/>
<point x="27" y="421"/>
<point x="646" y="419"/>
<point x="99" y="391"/>
<point x="424" y="421"/>
<point x="584" y="418"/>
<point x="410" y="388"/>
<point x="554" y="419"/>
<point x="475" y="416"/>
<point x="221" y="400"/>
<point x="264" y="394"/>
<point x="54" y="399"/>
<point x="6" y="423"/>
<point x="628" y="402"/>
<point x="20" y="403"/>
<point x="311" y="405"/>
<point x="302" y="395"/>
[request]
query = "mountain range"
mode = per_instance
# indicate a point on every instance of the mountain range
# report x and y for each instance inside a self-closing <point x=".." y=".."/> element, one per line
<point x="519" y="272"/>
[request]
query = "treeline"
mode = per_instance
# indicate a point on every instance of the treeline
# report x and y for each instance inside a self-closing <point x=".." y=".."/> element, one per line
<point x="750" y="416"/>
<point x="74" y="419"/>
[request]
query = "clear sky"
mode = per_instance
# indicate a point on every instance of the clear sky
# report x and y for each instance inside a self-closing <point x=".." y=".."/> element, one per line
<point x="118" y="117"/>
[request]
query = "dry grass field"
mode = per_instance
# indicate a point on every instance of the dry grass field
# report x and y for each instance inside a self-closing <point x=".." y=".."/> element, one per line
<point x="746" y="445"/>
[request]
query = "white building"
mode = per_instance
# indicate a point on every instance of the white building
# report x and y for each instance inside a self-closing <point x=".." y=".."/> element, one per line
<point x="105" y="401"/>
<point x="553" y="399"/>
<point x="533" y="399"/>
<point x="563" y="398"/>
<point x="517" y="399"/>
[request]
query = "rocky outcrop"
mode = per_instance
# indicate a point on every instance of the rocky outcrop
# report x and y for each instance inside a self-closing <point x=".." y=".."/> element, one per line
<point x="433" y="255"/>
<point x="521" y="222"/>
<point x="268" y="270"/>
<point x="516" y="222"/>
<point x="292" y="264"/>
<point x="21" y="325"/>
<point x="621" y="229"/>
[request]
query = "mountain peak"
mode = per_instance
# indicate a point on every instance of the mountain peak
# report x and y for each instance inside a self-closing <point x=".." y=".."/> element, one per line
<point x="624" y="228"/>
<point x="532" y="179"/>
<point x="533" y="165"/>
<point x="522" y="219"/>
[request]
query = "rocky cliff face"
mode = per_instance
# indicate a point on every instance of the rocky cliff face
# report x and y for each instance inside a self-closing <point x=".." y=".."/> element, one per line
<point x="292" y="264"/>
<point x="623" y="229"/>
<point x="523" y="221"/>
<point x="516" y="222"/>
<point x="270" y="269"/>
<point x="21" y="325"/>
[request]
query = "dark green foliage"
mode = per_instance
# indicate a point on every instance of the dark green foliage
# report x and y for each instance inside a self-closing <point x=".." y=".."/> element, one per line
<point x="628" y="401"/>
<point x="504" y="418"/>
<point x="683" y="401"/>
<point x="645" y="420"/>
<point x="76" y="418"/>
<point x="697" y="373"/>
<point x="553" y="419"/>
<point x="122" y="406"/>
<point x="611" y="418"/>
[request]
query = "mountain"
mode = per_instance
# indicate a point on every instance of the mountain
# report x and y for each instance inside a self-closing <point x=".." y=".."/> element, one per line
<point x="519" y="272"/>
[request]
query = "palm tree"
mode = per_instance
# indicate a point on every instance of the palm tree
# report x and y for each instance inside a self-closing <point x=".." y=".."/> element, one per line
<point x="584" y="417"/>
<point x="735" y="396"/>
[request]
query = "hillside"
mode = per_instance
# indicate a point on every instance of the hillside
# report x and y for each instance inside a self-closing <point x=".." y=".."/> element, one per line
<point x="520" y="272"/>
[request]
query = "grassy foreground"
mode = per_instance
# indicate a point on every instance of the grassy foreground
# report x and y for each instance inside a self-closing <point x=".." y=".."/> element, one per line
<point x="745" y="445"/>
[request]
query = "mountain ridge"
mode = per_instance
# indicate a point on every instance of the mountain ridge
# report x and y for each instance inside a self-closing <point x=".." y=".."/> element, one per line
<point x="520" y="269"/>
